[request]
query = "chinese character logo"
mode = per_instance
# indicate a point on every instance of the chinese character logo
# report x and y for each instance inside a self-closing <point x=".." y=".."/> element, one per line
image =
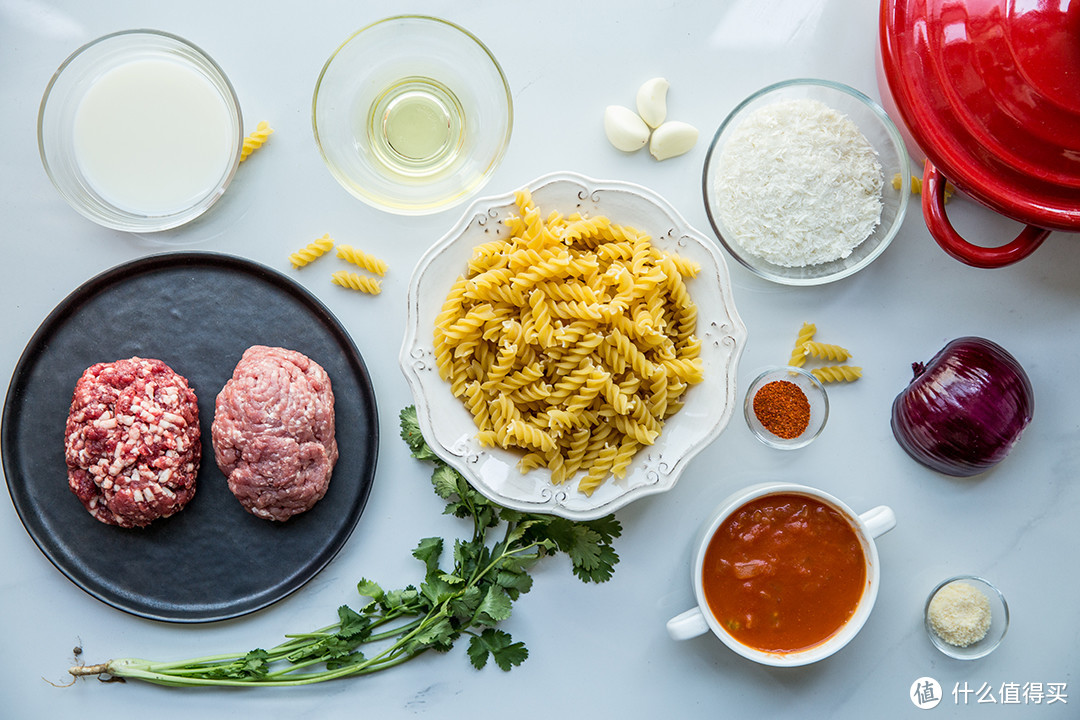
<point x="925" y="693"/>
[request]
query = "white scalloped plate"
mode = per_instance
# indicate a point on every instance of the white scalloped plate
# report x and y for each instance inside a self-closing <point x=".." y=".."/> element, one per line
<point x="448" y="426"/>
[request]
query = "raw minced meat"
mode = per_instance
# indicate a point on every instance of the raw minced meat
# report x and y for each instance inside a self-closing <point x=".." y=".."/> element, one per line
<point x="273" y="432"/>
<point x="132" y="441"/>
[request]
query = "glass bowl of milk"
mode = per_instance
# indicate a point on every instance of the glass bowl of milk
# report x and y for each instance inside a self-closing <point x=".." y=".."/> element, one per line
<point x="140" y="131"/>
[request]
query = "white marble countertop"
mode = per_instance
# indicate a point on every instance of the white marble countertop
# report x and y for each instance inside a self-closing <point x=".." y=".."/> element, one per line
<point x="598" y="650"/>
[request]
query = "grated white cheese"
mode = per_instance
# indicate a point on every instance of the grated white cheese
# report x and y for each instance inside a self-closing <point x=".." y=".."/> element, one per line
<point x="799" y="184"/>
<point x="960" y="614"/>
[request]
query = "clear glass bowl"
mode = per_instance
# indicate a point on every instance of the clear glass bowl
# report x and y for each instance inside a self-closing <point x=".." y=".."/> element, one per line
<point x="412" y="114"/>
<point x="60" y="105"/>
<point x="879" y="131"/>
<point x="815" y="395"/>
<point x="999" y="620"/>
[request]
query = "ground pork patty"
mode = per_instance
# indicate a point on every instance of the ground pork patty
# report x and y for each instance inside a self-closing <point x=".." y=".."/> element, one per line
<point x="132" y="441"/>
<point x="273" y="432"/>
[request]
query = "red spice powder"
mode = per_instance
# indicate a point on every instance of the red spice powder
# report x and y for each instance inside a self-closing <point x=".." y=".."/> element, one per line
<point x="782" y="409"/>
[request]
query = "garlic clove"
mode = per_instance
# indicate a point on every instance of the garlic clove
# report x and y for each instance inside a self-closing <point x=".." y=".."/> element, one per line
<point x="625" y="129"/>
<point x="671" y="139"/>
<point x="652" y="101"/>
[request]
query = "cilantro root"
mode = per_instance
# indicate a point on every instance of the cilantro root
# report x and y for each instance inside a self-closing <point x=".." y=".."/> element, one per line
<point x="490" y="571"/>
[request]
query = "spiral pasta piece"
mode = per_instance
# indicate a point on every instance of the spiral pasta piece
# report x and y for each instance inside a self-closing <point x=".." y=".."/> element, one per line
<point x="798" y="354"/>
<point x="362" y="259"/>
<point x="627" y="450"/>
<point x="825" y="351"/>
<point x="255" y="139"/>
<point x="312" y="251"/>
<point x="356" y="281"/>
<point x="599" y="469"/>
<point x="837" y="373"/>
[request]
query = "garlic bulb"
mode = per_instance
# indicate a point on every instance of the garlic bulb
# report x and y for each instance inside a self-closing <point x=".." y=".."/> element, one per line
<point x="652" y="101"/>
<point x="671" y="139"/>
<point x="625" y="130"/>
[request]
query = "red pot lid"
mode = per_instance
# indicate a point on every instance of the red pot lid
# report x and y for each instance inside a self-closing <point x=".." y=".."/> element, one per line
<point x="990" y="91"/>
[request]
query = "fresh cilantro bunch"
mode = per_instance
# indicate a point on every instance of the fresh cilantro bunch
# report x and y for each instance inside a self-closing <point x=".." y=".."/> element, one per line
<point x="489" y="571"/>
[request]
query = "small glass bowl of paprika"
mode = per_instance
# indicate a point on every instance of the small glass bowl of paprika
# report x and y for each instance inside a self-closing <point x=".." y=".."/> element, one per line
<point x="786" y="407"/>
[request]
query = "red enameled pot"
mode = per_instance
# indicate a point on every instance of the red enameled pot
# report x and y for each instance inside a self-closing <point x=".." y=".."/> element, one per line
<point x="988" y="93"/>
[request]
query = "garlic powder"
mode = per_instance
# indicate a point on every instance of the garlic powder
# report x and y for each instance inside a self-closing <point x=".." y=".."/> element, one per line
<point x="799" y="184"/>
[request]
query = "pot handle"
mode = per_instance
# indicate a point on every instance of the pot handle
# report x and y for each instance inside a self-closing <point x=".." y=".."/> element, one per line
<point x="933" y="207"/>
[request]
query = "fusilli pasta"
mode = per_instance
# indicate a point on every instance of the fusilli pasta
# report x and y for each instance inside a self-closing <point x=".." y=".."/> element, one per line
<point x="356" y="281"/>
<point x="837" y="373"/>
<point x="310" y="252"/>
<point x="255" y="139"/>
<point x="798" y="354"/>
<point x="362" y="259"/>
<point x="916" y="186"/>
<point x="825" y="351"/>
<point x="571" y="339"/>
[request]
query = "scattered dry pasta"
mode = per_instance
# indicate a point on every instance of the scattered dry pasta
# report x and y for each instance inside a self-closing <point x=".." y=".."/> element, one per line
<point x="798" y="354"/>
<point x="362" y="259"/>
<point x="837" y="373"/>
<point x="825" y="351"/>
<point x="356" y="281"/>
<point x="311" y="251"/>
<point x="572" y="340"/>
<point x="916" y="186"/>
<point x="255" y="139"/>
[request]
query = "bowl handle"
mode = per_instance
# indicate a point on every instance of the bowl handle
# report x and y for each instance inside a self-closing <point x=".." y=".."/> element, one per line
<point x="933" y="206"/>
<point x="688" y="624"/>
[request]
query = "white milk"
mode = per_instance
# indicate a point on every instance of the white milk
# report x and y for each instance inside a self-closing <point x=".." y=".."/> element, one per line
<point x="153" y="136"/>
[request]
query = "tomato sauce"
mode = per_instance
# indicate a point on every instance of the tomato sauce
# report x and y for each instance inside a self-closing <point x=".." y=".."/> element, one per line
<point x="784" y="572"/>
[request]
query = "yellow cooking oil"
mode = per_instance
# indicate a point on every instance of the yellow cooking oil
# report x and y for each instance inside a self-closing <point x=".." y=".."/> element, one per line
<point x="416" y="127"/>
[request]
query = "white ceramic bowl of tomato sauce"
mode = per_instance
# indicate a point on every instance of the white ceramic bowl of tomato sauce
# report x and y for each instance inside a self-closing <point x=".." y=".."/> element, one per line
<point x="784" y="574"/>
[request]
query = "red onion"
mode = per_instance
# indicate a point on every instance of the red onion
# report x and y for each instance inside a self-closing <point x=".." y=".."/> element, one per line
<point x="965" y="409"/>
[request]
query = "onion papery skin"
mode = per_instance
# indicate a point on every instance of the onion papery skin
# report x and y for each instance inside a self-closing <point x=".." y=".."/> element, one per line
<point x="964" y="412"/>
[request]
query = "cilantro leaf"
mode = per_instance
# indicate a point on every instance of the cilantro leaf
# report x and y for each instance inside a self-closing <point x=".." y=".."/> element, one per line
<point x="495" y="607"/>
<point x="607" y="527"/>
<point x="439" y="634"/>
<point x="445" y="480"/>
<point x="500" y="646"/>
<point x="437" y="590"/>
<point x="589" y="549"/>
<point x="399" y="599"/>
<point x="370" y="589"/>
<point x="601" y="568"/>
<point x="410" y="433"/>
<point x="514" y="583"/>
<point x="463" y="607"/>
<point x="351" y="624"/>
<point x="428" y="552"/>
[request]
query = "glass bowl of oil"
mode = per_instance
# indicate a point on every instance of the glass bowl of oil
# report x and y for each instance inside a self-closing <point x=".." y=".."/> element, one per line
<point x="412" y="114"/>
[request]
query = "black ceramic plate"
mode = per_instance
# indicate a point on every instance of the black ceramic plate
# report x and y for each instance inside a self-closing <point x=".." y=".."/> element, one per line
<point x="198" y="312"/>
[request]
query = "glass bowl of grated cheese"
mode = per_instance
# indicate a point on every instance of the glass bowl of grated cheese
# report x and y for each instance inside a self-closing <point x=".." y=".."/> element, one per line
<point x="966" y="617"/>
<point x="799" y="182"/>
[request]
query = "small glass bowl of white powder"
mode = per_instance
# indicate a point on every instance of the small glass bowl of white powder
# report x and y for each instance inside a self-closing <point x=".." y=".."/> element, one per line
<point x="798" y="182"/>
<point x="966" y="617"/>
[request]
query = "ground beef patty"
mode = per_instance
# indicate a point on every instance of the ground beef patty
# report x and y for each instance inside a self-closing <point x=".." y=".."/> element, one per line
<point x="273" y="432"/>
<point x="132" y="441"/>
